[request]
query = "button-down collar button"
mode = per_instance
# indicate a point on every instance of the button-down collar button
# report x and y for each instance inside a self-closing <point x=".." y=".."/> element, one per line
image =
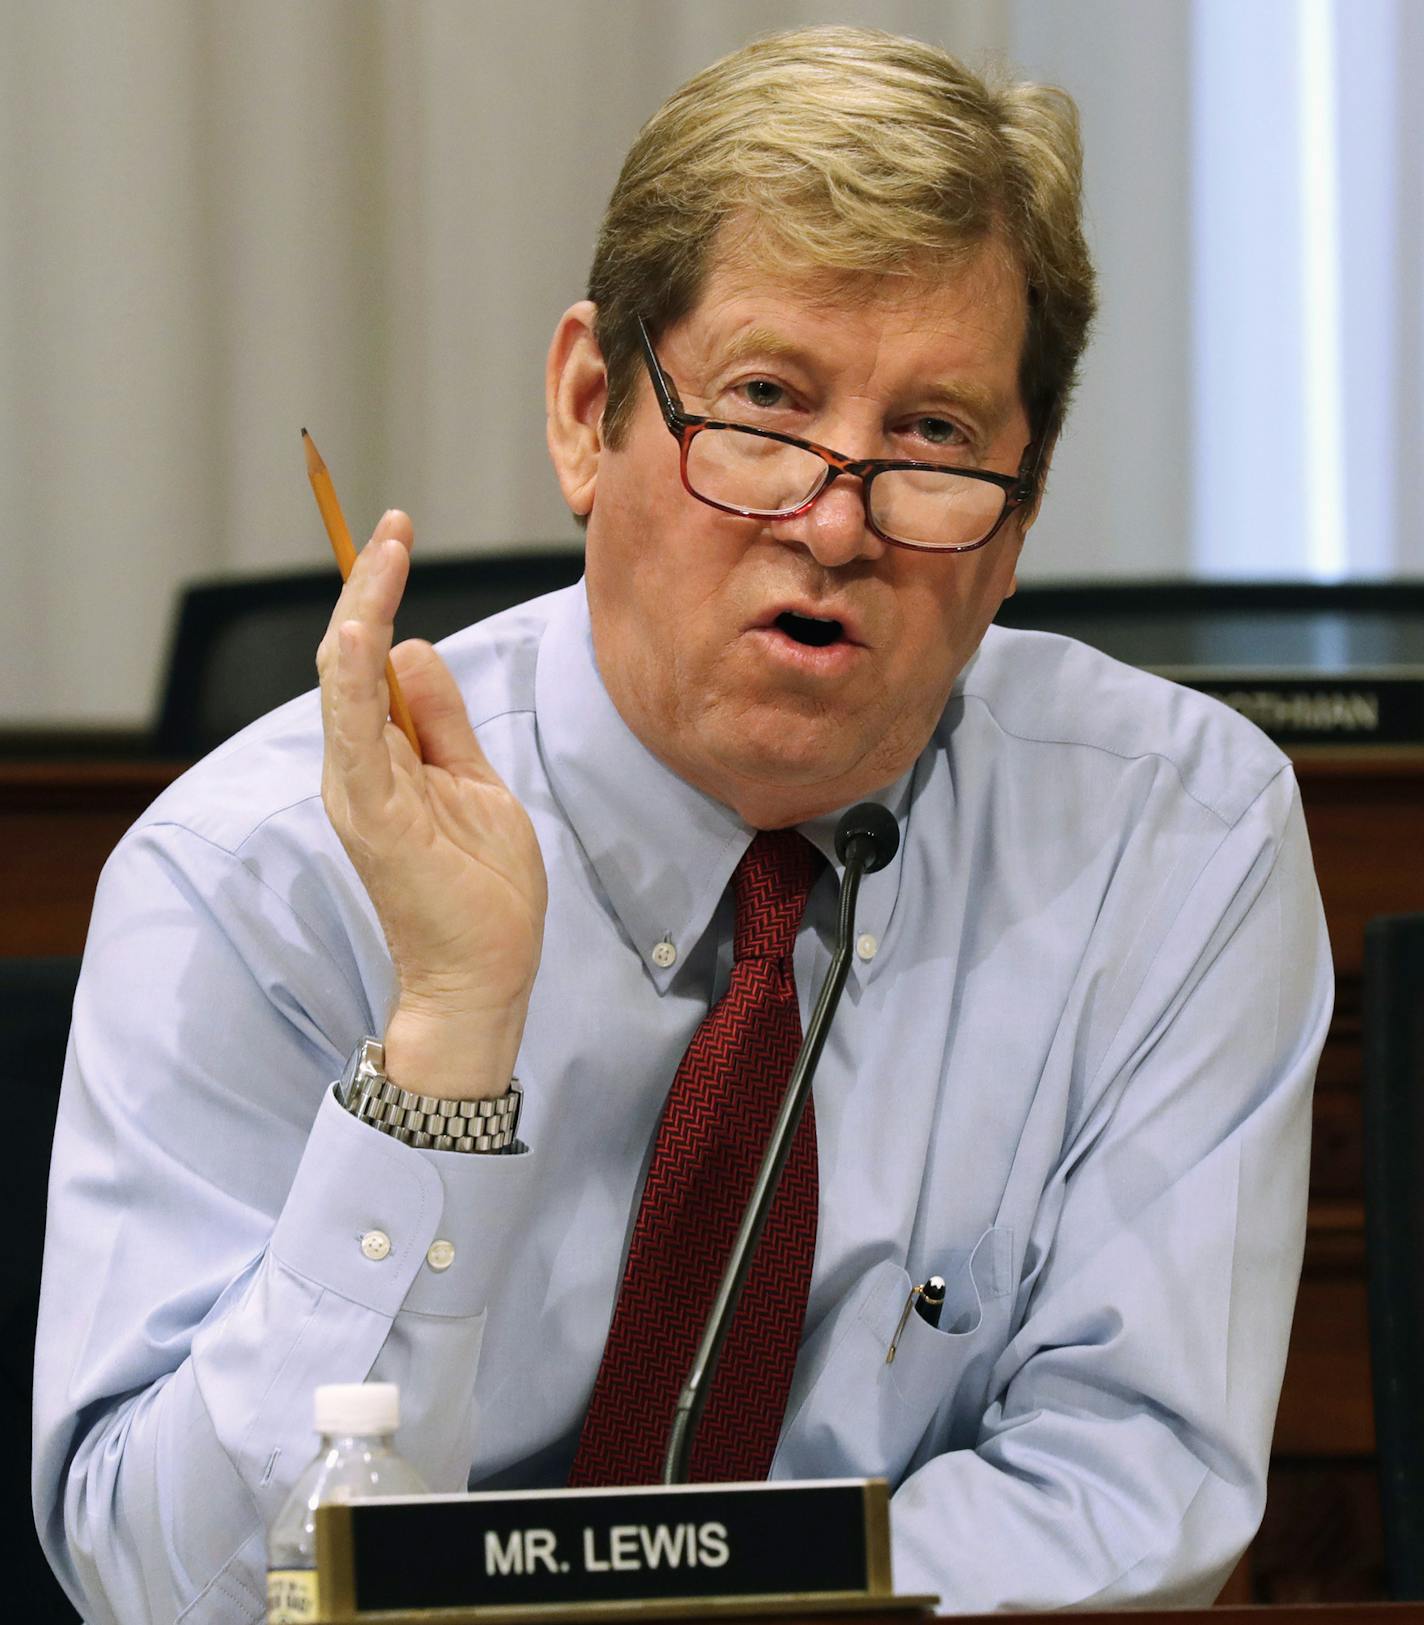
<point x="376" y="1245"/>
<point x="664" y="953"/>
<point x="866" y="945"/>
<point x="441" y="1255"/>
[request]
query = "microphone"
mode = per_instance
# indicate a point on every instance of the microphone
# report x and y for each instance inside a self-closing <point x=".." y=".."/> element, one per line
<point x="867" y="837"/>
<point x="867" y="829"/>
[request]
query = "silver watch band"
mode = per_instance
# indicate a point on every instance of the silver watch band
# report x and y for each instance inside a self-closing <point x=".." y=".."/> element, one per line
<point x="430" y="1122"/>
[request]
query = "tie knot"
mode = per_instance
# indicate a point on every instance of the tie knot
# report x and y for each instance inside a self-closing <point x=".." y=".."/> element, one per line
<point x="771" y="885"/>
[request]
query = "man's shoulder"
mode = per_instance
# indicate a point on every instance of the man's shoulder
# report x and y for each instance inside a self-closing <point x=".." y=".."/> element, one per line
<point x="1038" y="689"/>
<point x="270" y="773"/>
<point x="493" y="661"/>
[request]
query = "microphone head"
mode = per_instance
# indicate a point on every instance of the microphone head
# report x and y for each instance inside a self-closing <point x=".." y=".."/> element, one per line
<point x="874" y="829"/>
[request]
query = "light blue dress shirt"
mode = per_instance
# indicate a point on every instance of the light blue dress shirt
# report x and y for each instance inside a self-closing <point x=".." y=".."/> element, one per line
<point x="1071" y="1073"/>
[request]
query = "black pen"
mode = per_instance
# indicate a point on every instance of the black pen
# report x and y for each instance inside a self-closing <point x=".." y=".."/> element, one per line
<point x="930" y="1300"/>
<point x="926" y="1301"/>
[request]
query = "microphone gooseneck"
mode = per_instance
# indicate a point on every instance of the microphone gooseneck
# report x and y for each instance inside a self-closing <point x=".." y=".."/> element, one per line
<point x="867" y="837"/>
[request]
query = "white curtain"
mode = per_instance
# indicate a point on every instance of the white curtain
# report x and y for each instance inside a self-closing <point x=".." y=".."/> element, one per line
<point x="221" y="220"/>
<point x="1308" y="288"/>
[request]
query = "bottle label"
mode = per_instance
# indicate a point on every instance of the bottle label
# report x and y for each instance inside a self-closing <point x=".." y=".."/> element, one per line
<point x="291" y="1596"/>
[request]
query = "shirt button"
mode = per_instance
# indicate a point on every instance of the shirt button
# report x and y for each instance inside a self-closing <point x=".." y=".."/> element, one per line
<point x="441" y="1255"/>
<point x="866" y="945"/>
<point x="664" y="954"/>
<point x="376" y="1244"/>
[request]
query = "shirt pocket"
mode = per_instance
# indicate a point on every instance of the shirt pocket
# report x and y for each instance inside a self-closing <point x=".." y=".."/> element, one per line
<point x="856" y="1415"/>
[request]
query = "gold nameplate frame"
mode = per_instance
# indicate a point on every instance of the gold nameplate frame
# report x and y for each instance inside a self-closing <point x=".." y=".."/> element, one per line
<point x="664" y="1552"/>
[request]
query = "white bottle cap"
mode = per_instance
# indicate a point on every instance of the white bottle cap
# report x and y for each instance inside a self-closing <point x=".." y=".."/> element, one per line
<point x="357" y="1407"/>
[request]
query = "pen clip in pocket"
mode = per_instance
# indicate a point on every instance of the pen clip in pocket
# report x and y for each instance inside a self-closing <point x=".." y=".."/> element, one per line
<point x="900" y="1324"/>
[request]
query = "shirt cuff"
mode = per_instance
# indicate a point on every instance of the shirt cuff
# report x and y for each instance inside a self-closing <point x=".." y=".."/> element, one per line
<point x="365" y="1211"/>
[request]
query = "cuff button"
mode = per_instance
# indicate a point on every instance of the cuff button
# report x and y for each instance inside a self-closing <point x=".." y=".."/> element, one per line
<point x="376" y="1245"/>
<point x="441" y="1255"/>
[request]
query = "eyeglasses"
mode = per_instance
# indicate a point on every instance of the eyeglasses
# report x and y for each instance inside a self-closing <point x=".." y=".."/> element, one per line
<point x="762" y="474"/>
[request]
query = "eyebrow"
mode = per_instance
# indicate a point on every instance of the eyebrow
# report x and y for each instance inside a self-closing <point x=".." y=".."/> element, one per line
<point x="987" y="406"/>
<point x="980" y="402"/>
<point x="758" y="341"/>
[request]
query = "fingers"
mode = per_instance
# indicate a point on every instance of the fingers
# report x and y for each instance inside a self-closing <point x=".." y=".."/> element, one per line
<point x="362" y="759"/>
<point x="395" y="524"/>
<point x="358" y="772"/>
<point x="438" y="708"/>
<point x="369" y="588"/>
<point x="373" y="590"/>
<point x="351" y="663"/>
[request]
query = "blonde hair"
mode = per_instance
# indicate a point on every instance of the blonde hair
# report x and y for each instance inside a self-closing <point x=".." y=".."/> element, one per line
<point x="849" y="151"/>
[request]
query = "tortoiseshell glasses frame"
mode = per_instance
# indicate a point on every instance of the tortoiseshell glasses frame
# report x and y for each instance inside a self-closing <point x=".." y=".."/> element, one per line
<point x="1018" y="489"/>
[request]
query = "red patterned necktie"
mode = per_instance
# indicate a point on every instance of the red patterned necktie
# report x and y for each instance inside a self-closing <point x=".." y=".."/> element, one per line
<point x="714" y="1130"/>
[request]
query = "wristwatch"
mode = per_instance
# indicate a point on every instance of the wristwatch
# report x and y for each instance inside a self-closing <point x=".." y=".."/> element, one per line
<point x="428" y="1121"/>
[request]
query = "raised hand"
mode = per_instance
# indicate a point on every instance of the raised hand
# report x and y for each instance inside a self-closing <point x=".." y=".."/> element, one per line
<point x="447" y="855"/>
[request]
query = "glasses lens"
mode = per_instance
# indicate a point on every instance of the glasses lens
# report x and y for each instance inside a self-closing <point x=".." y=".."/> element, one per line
<point x="742" y="470"/>
<point x="934" y="508"/>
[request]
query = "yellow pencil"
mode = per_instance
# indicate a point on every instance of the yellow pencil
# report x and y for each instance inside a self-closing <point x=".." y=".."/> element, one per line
<point x="340" y="538"/>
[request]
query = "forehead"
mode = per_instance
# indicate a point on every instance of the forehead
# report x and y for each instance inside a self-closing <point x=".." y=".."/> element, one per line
<point x="966" y="315"/>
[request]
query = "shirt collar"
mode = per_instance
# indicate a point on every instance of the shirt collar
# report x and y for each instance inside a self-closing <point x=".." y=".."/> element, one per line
<point x="663" y="851"/>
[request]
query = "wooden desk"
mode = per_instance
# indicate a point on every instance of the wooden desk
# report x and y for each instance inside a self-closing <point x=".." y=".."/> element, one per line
<point x="1361" y="1613"/>
<point x="1320" y="1540"/>
<point x="1377" y="1613"/>
<point x="1366" y="1613"/>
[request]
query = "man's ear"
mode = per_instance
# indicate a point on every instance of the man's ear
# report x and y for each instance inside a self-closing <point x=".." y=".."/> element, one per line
<point x="575" y="391"/>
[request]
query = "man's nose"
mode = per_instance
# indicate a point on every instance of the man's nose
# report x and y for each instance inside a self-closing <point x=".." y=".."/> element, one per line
<point x="834" y="529"/>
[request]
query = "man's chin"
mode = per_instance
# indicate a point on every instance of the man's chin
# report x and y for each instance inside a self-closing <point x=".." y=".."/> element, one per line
<point x="786" y="772"/>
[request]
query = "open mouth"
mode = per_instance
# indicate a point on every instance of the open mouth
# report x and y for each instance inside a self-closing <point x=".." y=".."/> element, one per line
<point x="810" y="629"/>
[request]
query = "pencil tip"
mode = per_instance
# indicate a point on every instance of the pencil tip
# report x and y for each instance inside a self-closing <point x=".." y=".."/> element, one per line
<point x="305" y="435"/>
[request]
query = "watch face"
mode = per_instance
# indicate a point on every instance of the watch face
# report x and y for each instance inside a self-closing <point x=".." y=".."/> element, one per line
<point x="360" y="1072"/>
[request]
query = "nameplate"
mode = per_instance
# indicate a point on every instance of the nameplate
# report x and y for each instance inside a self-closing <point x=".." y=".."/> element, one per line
<point x="697" y="1548"/>
<point x="1358" y="707"/>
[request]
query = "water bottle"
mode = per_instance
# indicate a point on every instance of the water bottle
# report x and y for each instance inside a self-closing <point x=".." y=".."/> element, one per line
<point x="356" y="1458"/>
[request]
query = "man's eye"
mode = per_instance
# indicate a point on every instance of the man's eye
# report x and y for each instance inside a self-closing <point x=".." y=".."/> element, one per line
<point x="762" y="393"/>
<point x="938" y="432"/>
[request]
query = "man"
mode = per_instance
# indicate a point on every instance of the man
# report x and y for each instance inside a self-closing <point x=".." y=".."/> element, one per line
<point x="1072" y="1070"/>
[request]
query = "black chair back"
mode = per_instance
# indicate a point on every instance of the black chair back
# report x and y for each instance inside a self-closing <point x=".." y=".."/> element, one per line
<point x="242" y="647"/>
<point x="36" y="996"/>
<point x="1394" y="1230"/>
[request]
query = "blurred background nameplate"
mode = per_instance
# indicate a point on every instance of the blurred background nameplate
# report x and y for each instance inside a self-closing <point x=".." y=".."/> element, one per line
<point x="687" y="1549"/>
<point x="1337" y="666"/>
<point x="1313" y="708"/>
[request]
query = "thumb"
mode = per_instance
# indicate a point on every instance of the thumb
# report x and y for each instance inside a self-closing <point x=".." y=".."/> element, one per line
<point x="438" y="710"/>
